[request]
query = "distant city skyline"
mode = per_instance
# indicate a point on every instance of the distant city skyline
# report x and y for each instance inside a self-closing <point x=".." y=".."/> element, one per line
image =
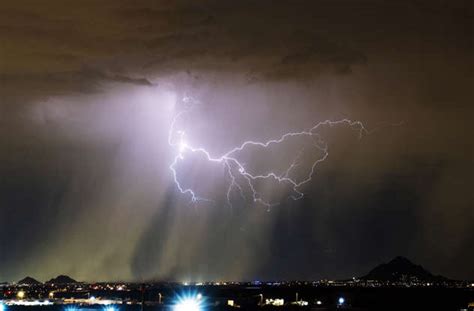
<point x="398" y="269"/>
<point x="397" y="282"/>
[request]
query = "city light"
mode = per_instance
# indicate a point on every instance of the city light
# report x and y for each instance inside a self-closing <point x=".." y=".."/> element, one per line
<point x="319" y="302"/>
<point x="341" y="300"/>
<point x="2" y="307"/>
<point x="110" y="308"/>
<point x="193" y="302"/>
<point x="188" y="304"/>
<point x="278" y="302"/>
<point x="21" y="294"/>
<point x="29" y="303"/>
<point x="70" y="308"/>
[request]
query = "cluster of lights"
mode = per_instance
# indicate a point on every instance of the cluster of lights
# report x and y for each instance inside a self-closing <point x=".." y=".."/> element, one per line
<point x="74" y="308"/>
<point x="275" y="302"/>
<point x="30" y="303"/>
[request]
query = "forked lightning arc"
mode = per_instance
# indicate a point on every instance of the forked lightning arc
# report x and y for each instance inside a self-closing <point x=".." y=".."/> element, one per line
<point x="238" y="175"/>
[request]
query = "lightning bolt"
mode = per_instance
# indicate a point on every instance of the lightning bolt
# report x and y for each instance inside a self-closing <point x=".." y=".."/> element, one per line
<point x="239" y="176"/>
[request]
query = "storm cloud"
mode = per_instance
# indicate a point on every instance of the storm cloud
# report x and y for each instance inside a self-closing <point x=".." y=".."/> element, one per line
<point x="88" y="90"/>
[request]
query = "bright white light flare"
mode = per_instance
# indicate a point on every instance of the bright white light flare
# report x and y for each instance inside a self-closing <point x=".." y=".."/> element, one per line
<point x="188" y="304"/>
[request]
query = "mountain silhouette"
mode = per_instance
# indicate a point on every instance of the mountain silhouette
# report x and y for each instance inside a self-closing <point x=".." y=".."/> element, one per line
<point x="62" y="279"/>
<point x="29" y="281"/>
<point x="401" y="269"/>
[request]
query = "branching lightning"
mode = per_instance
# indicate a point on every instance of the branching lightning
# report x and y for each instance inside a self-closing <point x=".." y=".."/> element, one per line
<point x="239" y="176"/>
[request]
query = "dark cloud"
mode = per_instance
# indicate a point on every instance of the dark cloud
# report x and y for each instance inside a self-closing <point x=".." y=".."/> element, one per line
<point x="266" y="39"/>
<point x="62" y="83"/>
<point x="44" y="47"/>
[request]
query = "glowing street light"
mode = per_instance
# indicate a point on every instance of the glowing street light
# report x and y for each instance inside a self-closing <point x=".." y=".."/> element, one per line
<point x="21" y="294"/>
<point x="189" y="302"/>
<point x="341" y="300"/>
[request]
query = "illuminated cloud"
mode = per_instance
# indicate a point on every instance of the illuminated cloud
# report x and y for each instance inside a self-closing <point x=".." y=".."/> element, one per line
<point x="88" y="93"/>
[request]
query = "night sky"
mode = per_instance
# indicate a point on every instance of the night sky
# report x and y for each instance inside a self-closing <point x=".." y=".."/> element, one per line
<point x="89" y="90"/>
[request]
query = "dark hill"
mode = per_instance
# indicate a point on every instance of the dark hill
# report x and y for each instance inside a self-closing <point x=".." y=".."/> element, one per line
<point x="29" y="281"/>
<point x="62" y="279"/>
<point x="401" y="269"/>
